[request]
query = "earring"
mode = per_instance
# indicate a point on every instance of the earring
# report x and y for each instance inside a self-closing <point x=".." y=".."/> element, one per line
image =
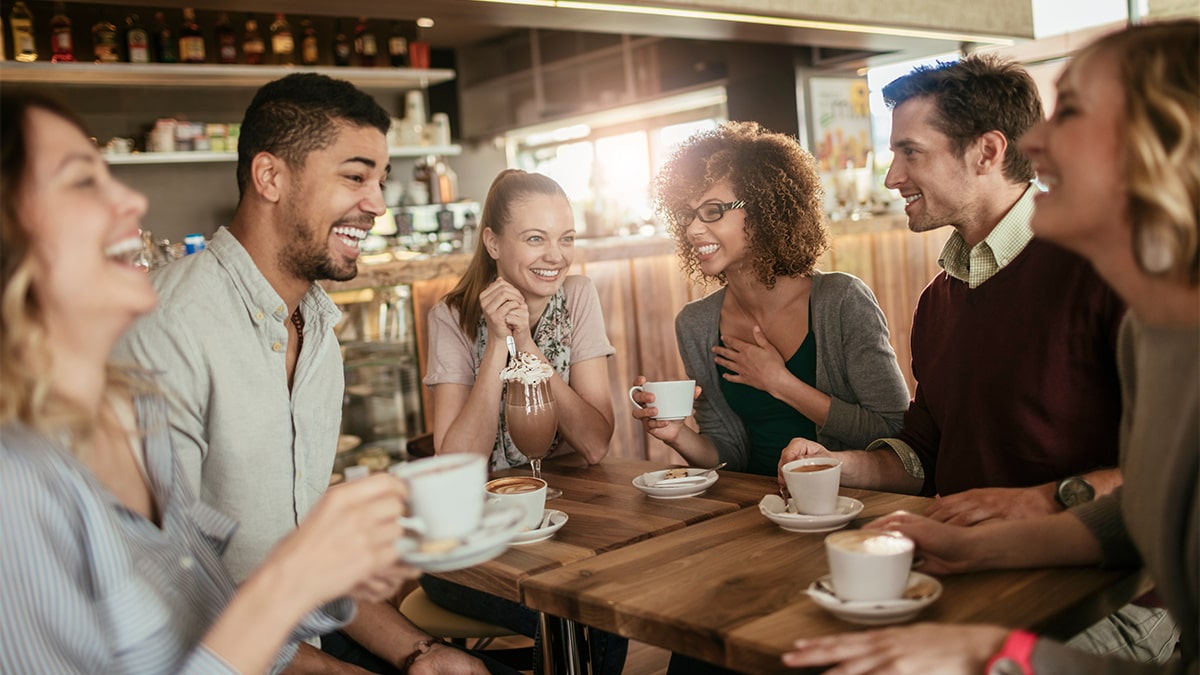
<point x="1155" y="250"/>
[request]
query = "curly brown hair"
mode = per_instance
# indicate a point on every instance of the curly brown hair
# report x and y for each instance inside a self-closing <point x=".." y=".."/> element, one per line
<point x="785" y="214"/>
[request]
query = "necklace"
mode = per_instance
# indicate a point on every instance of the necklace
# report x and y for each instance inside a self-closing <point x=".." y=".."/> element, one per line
<point x="298" y="322"/>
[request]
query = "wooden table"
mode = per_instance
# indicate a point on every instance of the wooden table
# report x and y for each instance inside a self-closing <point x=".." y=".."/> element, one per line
<point x="606" y="513"/>
<point x="730" y="590"/>
<point x="711" y="577"/>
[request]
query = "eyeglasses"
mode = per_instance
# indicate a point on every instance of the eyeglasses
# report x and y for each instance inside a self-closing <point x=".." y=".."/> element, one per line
<point x="708" y="212"/>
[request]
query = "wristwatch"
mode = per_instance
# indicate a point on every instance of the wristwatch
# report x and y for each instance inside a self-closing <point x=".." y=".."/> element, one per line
<point x="1073" y="491"/>
<point x="1015" y="657"/>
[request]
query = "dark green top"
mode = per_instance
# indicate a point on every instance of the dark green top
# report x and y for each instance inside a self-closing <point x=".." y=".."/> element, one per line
<point x="771" y="423"/>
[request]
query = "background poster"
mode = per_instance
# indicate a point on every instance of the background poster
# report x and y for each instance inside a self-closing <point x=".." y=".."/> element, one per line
<point x="842" y="122"/>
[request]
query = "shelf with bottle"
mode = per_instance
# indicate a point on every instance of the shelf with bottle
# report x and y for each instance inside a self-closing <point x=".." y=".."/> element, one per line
<point x="203" y="156"/>
<point x="207" y="75"/>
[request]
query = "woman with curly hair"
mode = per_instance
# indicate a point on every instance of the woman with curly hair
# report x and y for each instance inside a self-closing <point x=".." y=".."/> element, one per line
<point x="1121" y="159"/>
<point x="782" y="350"/>
<point x="110" y="563"/>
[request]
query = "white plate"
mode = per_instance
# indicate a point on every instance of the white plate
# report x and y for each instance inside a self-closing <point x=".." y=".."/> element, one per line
<point x="882" y="612"/>
<point x="496" y="530"/>
<point x="674" y="491"/>
<point x="775" y="509"/>
<point x="557" y="520"/>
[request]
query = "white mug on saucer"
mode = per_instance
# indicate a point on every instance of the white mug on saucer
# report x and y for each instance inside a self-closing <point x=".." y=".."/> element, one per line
<point x="525" y="492"/>
<point x="673" y="399"/>
<point x="813" y="483"/>
<point x="445" y="494"/>
<point x="869" y="565"/>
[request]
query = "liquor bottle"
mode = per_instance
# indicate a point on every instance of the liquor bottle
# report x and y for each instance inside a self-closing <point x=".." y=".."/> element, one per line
<point x="162" y="40"/>
<point x="364" y="43"/>
<point x="1" y="38"/>
<point x="137" y="40"/>
<point x="310" y="52"/>
<point x="191" y="40"/>
<point x="226" y="40"/>
<point x="20" y="19"/>
<point x="104" y="41"/>
<point x="62" y="46"/>
<point x="283" y="46"/>
<point x="253" y="46"/>
<point x="398" y="47"/>
<point x="342" y="49"/>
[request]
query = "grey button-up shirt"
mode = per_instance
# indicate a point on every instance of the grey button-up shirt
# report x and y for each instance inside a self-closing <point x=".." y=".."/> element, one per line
<point x="249" y="447"/>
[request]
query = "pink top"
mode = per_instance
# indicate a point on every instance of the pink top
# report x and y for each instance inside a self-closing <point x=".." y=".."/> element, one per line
<point x="452" y="357"/>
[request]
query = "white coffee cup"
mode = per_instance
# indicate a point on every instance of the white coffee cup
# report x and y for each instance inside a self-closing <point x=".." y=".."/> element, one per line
<point x="445" y="494"/>
<point x="869" y="565"/>
<point x="813" y="483"/>
<point x="526" y="492"/>
<point x="673" y="399"/>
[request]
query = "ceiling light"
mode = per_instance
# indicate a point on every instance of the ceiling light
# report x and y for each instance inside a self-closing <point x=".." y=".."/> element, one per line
<point x="425" y="22"/>
<point x="760" y="19"/>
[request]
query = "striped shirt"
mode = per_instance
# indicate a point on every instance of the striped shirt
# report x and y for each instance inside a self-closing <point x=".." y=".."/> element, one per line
<point x="89" y="586"/>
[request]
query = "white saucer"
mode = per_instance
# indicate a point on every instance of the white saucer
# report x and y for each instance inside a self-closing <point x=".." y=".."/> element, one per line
<point x="674" y="491"/>
<point x="557" y="520"/>
<point x="496" y="530"/>
<point x="775" y="509"/>
<point x="882" y="612"/>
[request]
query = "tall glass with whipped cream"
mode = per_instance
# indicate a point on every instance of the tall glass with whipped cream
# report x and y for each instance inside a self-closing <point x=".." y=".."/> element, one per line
<point x="529" y="410"/>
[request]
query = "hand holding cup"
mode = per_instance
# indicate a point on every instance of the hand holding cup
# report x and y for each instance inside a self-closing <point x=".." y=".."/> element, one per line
<point x="347" y="543"/>
<point x="662" y="407"/>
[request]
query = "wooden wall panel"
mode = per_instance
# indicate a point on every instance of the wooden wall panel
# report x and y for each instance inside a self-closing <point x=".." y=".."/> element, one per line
<point x="614" y="285"/>
<point x="660" y="290"/>
<point x="889" y="254"/>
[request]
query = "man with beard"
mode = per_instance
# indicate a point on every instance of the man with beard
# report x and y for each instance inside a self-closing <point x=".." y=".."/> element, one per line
<point x="243" y="339"/>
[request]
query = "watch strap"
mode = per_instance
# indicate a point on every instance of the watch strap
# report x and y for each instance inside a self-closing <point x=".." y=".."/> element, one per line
<point x="1017" y="650"/>
<point x="420" y="648"/>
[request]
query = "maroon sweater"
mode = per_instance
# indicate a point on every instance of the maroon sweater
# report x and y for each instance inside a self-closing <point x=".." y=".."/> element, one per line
<point x="1017" y="378"/>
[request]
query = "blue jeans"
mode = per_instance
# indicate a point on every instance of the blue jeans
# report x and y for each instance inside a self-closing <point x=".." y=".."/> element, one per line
<point x="607" y="650"/>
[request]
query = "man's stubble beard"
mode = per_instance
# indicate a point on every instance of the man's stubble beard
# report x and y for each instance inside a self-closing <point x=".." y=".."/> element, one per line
<point x="309" y="259"/>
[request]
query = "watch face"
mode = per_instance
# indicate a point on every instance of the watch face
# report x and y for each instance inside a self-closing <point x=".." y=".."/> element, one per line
<point x="1074" y="491"/>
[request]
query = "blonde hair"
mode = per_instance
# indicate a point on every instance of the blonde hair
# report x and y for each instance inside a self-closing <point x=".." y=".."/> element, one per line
<point x="26" y="394"/>
<point x="1159" y="72"/>
<point x="509" y="187"/>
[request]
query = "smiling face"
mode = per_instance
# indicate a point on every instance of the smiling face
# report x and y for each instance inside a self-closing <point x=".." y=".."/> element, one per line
<point x="536" y="247"/>
<point x="1078" y="156"/>
<point x="720" y="246"/>
<point x="332" y="201"/>
<point x="82" y="225"/>
<point x="930" y="177"/>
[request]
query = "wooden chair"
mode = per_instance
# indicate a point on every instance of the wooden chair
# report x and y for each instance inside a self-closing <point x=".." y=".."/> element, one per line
<point x="420" y="446"/>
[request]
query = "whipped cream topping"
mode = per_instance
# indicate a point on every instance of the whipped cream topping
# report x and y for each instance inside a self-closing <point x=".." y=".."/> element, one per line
<point x="526" y="369"/>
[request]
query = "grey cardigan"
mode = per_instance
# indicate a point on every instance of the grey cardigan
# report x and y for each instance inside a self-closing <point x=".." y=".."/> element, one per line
<point x="856" y="367"/>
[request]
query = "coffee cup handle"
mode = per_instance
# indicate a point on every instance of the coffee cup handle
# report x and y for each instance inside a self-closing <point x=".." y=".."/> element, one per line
<point x="633" y="389"/>
<point x="410" y="523"/>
